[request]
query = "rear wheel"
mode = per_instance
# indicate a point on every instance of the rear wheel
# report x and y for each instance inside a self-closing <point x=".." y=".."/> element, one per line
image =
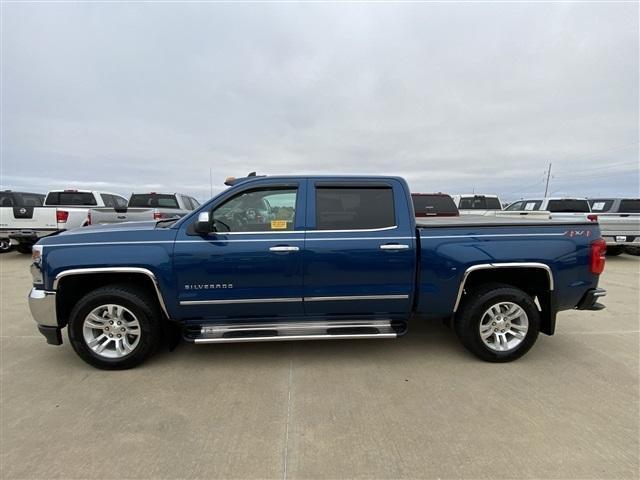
<point x="498" y="322"/>
<point x="615" y="250"/>
<point x="115" y="327"/>
<point x="24" y="248"/>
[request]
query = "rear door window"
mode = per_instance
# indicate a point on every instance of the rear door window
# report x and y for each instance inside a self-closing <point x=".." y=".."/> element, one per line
<point x="354" y="208"/>
<point x="153" y="200"/>
<point x="630" y="206"/>
<point x="568" y="206"/>
<point x="108" y="200"/>
<point x="71" y="199"/>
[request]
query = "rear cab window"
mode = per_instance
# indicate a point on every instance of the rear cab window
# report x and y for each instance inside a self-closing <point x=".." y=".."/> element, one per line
<point x="631" y="205"/>
<point x="354" y="208"/>
<point x="433" y="205"/>
<point x="480" y="202"/>
<point x="153" y="200"/>
<point x="70" y="198"/>
<point x="568" y="205"/>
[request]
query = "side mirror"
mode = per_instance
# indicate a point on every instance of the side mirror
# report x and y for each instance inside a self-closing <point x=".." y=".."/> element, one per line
<point x="203" y="225"/>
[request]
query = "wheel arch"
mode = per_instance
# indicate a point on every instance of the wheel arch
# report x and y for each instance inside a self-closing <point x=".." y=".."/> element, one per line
<point x="73" y="284"/>
<point x="534" y="278"/>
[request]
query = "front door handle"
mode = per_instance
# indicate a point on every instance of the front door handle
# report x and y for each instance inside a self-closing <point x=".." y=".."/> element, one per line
<point x="394" y="246"/>
<point x="284" y="248"/>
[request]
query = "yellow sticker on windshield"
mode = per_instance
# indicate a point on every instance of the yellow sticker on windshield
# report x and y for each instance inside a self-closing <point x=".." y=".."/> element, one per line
<point x="278" y="224"/>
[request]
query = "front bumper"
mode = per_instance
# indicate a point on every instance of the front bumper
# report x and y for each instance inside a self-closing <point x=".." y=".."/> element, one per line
<point x="42" y="304"/>
<point x="590" y="299"/>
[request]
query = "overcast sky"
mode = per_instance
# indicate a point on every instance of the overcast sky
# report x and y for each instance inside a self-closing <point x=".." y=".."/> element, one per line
<point x="455" y="97"/>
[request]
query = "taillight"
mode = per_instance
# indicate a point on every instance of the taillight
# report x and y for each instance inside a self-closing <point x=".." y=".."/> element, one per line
<point x="157" y="215"/>
<point x="61" y="216"/>
<point x="593" y="218"/>
<point x="89" y="218"/>
<point x="598" y="256"/>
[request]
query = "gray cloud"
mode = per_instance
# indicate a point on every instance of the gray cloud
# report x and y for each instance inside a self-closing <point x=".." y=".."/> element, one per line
<point x="454" y="97"/>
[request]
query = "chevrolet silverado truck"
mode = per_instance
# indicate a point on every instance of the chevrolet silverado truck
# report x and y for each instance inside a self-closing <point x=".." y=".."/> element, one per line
<point x="336" y="258"/>
<point x="619" y="220"/>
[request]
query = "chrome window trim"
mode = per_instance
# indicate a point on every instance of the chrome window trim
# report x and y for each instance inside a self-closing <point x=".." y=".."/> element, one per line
<point x="355" y="230"/>
<point x="88" y="271"/>
<point x="488" y="266"/>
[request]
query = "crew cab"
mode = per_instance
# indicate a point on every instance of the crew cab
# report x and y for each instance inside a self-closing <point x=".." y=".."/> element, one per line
<point x="62" y="210"/>
<point x="619" y="220"/>
<point x="337" y="258"/>
<point x="145" y="206"/>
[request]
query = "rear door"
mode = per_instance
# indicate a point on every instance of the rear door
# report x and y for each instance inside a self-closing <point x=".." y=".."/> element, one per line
<point x="360" y="250"/>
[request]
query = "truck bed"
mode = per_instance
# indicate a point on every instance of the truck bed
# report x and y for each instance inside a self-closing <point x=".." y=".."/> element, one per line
<point x="493" y="221"/>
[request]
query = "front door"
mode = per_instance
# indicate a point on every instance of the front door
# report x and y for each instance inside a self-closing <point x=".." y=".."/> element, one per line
<point x="251" y="267"/>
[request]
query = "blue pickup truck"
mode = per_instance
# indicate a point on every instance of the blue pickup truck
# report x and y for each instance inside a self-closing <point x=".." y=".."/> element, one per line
<point x="304" y="258"/>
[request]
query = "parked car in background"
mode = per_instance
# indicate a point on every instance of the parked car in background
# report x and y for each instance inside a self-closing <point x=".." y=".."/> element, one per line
<point x="472" y="204"/>
<point x="559" y="208"/>
<point x="145" y="206"/>
<point x="15" y="208"/>
<point x="619" y="220"/>
<point x="433" y="205"/>
<point x="62" y="210"/>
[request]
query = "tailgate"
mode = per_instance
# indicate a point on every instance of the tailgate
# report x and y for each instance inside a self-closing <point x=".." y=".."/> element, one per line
<point x="110" y="215"/>
<point x="619" y="224"/>
<point x="28" y="218"/>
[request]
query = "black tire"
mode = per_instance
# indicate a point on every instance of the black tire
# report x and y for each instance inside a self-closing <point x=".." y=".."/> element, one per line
<point x="476" y="303"/>
<point x="24" y="248"/>
<point x="139" y="303"/>
<point x="5" y="245"/>
<point x="615" y="250"/>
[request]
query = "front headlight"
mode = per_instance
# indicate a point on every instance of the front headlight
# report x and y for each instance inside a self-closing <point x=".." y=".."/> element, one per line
<point x="36" y="265"/>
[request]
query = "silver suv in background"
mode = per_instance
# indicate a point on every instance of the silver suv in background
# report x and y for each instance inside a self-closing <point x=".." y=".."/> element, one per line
<point x="619" y="220"/>
<point x="145" y="206"/>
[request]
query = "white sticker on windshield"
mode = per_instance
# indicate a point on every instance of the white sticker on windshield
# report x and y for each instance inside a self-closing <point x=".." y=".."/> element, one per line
<point x="598" y="206"/>
<point x="530" y="206"/>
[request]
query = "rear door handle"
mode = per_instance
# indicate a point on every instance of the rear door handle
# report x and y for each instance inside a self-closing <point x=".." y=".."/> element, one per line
<point x="284" y="248"/>
<point x="394" y="246"/>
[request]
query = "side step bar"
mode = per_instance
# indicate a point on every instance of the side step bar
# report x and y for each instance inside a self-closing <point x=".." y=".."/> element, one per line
<point x="287" y="331"/>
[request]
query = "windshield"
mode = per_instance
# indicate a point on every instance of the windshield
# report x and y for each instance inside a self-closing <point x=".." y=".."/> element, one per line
<point x="156" y="200"/>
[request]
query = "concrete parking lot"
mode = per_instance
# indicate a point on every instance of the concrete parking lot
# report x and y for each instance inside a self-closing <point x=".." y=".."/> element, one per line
<point x="416" y="407"/>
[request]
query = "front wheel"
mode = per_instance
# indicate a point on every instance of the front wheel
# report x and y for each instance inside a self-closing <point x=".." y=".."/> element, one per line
<point x="498" y="323"/>
<point x="115" y="327"/>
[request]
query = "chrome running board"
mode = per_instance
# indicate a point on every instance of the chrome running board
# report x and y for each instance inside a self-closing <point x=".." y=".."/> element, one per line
<point x="288" y="331"/>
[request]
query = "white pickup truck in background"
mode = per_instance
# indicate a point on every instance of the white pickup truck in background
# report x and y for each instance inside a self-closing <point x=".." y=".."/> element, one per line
<point x="489" y="206"/>
<point x="619" y="220"/>
<point x="145" y="206"/>
<point x="62" y="210"/>
<point x="556" y="208"/>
